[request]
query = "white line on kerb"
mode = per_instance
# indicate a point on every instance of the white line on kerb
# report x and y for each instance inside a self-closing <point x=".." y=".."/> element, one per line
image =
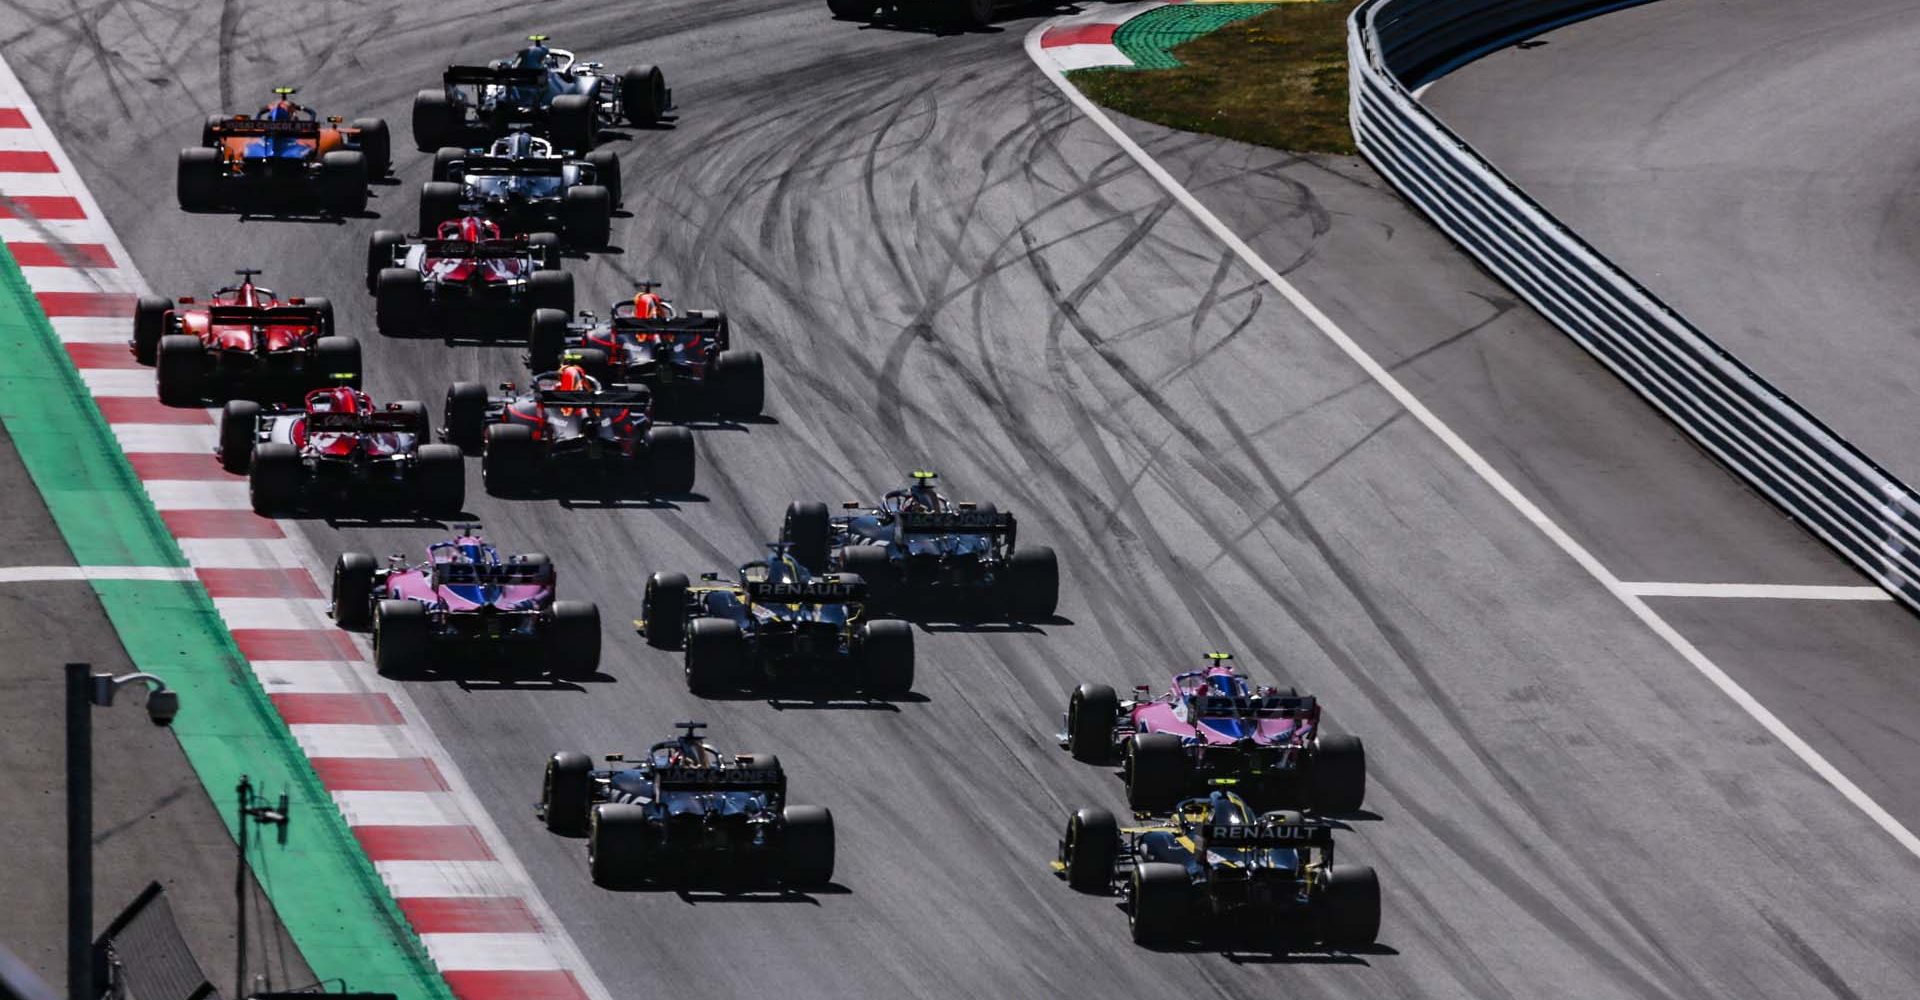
<point x="62" y="574"/>
<point x="1765" y="591"/>
<point x="1491" y="476"/>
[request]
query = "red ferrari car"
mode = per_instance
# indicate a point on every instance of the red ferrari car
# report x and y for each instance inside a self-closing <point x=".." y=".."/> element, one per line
<point x="243" y="341"/>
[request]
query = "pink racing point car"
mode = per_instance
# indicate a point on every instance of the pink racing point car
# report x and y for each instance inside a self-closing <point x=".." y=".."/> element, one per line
<point x="465" y="593"/>
<point x="1214" y="727"/>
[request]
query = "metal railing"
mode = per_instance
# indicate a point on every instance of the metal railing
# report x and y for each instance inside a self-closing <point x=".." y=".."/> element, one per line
<point x="1778" y="448"/>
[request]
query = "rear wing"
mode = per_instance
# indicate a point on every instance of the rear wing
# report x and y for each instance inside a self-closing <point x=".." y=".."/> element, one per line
<point x="959" y="522"/>
<point x="279" y="315"/>
<point x="544" y="166"/>
<point x="1271" y="831"/>
<point x="826" y="591"/>
<point x="452" y="572"/>
<point x="1264" y="706"/>
<point x="484" y="250"/>
<point x="605" y="399"/>
<point x="708" y="325"/>
<point x="362" y="423"/>
<point x="720" y="779"/>
<point x="257" y="126"/>
<point x="470" y="75"/>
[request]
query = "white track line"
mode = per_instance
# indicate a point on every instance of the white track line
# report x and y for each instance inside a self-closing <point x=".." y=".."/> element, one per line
<point x="58" y="574"/>
<point x="1481" y="467"/>
<point x="1768" y="591"/>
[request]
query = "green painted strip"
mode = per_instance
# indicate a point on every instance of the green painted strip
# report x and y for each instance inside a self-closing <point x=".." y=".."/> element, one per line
<point x="322" y="885"/>
<point x="1149" y="39"/>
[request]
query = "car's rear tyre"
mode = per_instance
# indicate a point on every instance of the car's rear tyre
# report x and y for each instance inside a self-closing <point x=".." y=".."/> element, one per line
<point x="402" y="639"/>
<point x="1337" y="775"/>
<point x="179" y="367"/>
<point x="852" y="10"/>
<point x="606" y="172"/>
<point x="352" y="591"/>
<point x="436" y="122"/>
<point x="586" y="216"/>
<point x="1033" y="583"/>
<point x="465" y="415"/>
<point x="209" y="131"/>
<point x="441" y="480"/>
<point x="570" y="121"/>
<point x="573" y="644"/>
<point x="743" y="384"/>
<point x="439" y="202"/>
<point x="418" y="423"/>
<point x="336" y="361"/>
<point x="716" y="656"/>
<point x="806" y="846"/>
<point x="509" y="457"/>
<point x="808" y="531"/>
<point x="323" y="310"/>
<point x="1350" y="908"/>
<point x="546" y="338"/>
<point x="663" y="610"/>
<point x="872" y="564"/>
<point x="239" y="428"/>
<point x="1092" y="845"/>
<point x="197" y="179"/>
<point x="670" y="461"/>
<point x="550" y="290"/>
<point x="274" y="479"/>
<point x="643" y="94"/>
<point x="445" y="165"/>
<point x="1092" y="712"/>
<point x="1159" y="902"/>
<point x="376" y="144"/>
<point x="1157" y="771"/>
<point x="149" y="325"/>
<point x="566" y="793"/>
<point x="400" y="302"/>
<point x="343" y="181"/>
<point x="380" y="247"/>
<point x="619" y="841"/>
<point x="886" y="658"/>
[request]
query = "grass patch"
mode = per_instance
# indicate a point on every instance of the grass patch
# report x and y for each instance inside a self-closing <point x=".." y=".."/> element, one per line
<point x="1277" y="79"/>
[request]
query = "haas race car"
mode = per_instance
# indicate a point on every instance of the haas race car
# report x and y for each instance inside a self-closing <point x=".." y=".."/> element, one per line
<point x="1214" y="726"/>
<point x="338" y="449"/>
<point x="467" y="276"/>
<point x="283" y="157"/>
<point x="1218" y="868"/>
<point x="687" y="813"/>
<point x="540" y="87"/>
<point x="776" y="622"/>
<point x="524" y="183"/>
<point x="685" y="359"/>
<point x="919" y="550"/>
<point x="565" y="428"/>
<point x="465" y="596"/>
<point x="243" y="340"/>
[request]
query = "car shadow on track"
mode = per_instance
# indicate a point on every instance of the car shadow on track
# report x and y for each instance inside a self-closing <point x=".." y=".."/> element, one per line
<point x="983" y="626"/>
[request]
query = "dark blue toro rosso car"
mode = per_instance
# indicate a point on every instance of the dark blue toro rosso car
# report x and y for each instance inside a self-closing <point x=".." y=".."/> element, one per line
<point x="686" y="812"/>
<point x="284" y="157"/>
<point x="918" y="551"/>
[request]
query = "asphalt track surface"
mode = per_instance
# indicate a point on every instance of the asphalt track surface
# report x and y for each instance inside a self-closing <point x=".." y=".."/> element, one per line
<point x="1754" y="166"/>
<point x="945" y="266"/>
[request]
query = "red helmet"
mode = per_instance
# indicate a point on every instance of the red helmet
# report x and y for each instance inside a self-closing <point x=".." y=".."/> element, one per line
<point x="574" y="378"/>
<point x="338" y="399"/>
<point x="648" y="305"/>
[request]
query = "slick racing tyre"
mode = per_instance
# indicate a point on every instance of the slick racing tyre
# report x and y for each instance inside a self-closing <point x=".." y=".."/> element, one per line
<point x="570" y="122"/>
<point x="606" y="172"/>
<point x="509" y="457"/>
<point x="402" y="638"/>
<point x="618" y="842"/>
<point x="806" y="846"/>
<point x="149" y="325"/>
<point x="465" y="415"/>
<point x="436" y="122"/>
<point x="852" y="10"/>
<point x="573" y="640"/>
<point x="400" y="302"/>
<point x="1337" y="775"/>
<point x="376" y="144"/>
<point x="670" y="461"/>
<point x="586" y="215"/>
<point x="743" y="384"/>
<point x="353" y="591"/>
<point x="566" y="794"/>
<point x="551" y="290"/>
<point x="446" y="166"/>
<point x="1158" y="903"/>
<point x="1033" y="584"/>
<point x="380" y="250"/>
<point x="439" y="202"/>
<point x="1092" y="845"/>
<point x="546" y="338"/>
<point x="1157" y="771"/>
<point x="643" y="95"/>
<point x="343" y="182"/>
<point x="197" y="180"/>
<point x="1092" y="712"/>
<point x="239" y="426"/>
<point x="178" y="366"/>
<point x="716" y="657"/>
<point x="886" y="658"/>
<point x="418" y="424"/>
<point x="874" y="566"/>
<point x="440" y="480"/>
<point x="663" y="610"/>
<point x="336" y="361"/>
<point x="1350" y="908"/>
<point x="273" y="484"/>
<point x="808" y="533"/>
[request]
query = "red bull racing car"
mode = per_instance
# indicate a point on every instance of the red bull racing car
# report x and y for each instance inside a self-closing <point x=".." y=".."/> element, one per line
<point x="468" y="276"/>
<point x="685" y="359"/>
<point x="339" y="450"/>
<point x="566" y="428"/>
<point x="242" y="340"/>
<point x="284" y="157"/>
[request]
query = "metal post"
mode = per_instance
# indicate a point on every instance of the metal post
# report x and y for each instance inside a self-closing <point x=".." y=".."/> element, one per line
<point x="240" y="894"/>
<point x="79" y="833"/>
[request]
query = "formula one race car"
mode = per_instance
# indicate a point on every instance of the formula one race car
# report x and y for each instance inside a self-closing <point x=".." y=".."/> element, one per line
<point x="567" y="424"/>
<point x="776" y="622"/>
<point x="339" y="449"/>
<point x="971" y="13"/>
<point x="525" y="184"/>
<point x="242" y="340"/>
<point x="918" y="549"/>
<point x="465" y="593"/>
<point x="540" y="87"/>
<point x="684" y="359"/>
<point x="469" y="275"/>
<point x="1217" y="866"/>
<point x="284" y="156"/>
<point x="687" y="813"/>
<point x="1213" y="726"/>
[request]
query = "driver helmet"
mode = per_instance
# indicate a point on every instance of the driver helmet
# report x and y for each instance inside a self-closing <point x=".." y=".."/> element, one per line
<point x="574" y="378"/>
<point x="650" y="305"/>
<point x="282" y="108"/>
<point x="922" y="496"/>
<point x="339" y="399"/>
<point x="519" y="144"/>
<point x="1225" y="683"/>
<point x="534" y="56"/>
<point x="471" y="229"/>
